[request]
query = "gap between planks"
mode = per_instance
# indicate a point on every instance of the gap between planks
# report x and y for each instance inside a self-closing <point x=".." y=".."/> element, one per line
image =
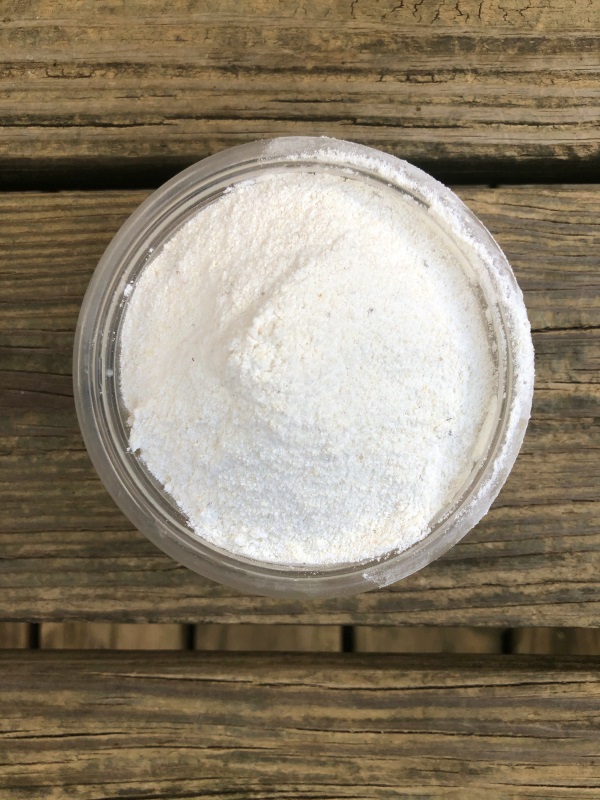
<point x="303" y="638"/>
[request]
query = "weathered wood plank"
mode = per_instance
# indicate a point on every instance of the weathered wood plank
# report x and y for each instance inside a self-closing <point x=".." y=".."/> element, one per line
<point x="69" y="554"/>
<point x="269" y="638"/>
<point x="301" y="726"/>
<point x="468" y="85"/>
<point x="111" y="636"/>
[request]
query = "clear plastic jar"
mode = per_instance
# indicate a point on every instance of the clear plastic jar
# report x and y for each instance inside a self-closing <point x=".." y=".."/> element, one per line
<point x="103" y="417"/>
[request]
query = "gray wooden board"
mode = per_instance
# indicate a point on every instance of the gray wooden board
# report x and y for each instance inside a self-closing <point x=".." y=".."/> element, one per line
<point x="194" y="725"/>
<point x="68" y="553"/>
<point x="469" y="85"/>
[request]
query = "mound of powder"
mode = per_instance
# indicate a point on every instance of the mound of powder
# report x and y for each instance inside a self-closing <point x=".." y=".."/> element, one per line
<point x="307" y="370"/>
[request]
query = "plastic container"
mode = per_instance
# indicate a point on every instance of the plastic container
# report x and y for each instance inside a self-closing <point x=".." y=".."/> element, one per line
<point x="102" y="415"/>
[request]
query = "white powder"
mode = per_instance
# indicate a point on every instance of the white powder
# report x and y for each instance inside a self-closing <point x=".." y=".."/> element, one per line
<point x="307" y="370"/>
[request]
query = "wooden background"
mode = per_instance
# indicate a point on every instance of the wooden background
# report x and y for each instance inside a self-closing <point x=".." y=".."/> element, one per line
<point x="100" y="102"/>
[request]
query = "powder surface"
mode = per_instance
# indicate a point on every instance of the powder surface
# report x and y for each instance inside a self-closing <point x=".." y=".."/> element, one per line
<point x="307" y="370"/>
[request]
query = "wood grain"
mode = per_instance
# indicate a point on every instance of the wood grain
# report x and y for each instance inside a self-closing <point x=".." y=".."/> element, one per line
<point x="193" y="725"/>
<point x="467" y="87"/>
<point x="69" y="554"/>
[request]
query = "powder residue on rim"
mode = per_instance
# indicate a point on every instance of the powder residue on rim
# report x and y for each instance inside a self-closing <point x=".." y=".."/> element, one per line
<point x="307" y="370"/>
